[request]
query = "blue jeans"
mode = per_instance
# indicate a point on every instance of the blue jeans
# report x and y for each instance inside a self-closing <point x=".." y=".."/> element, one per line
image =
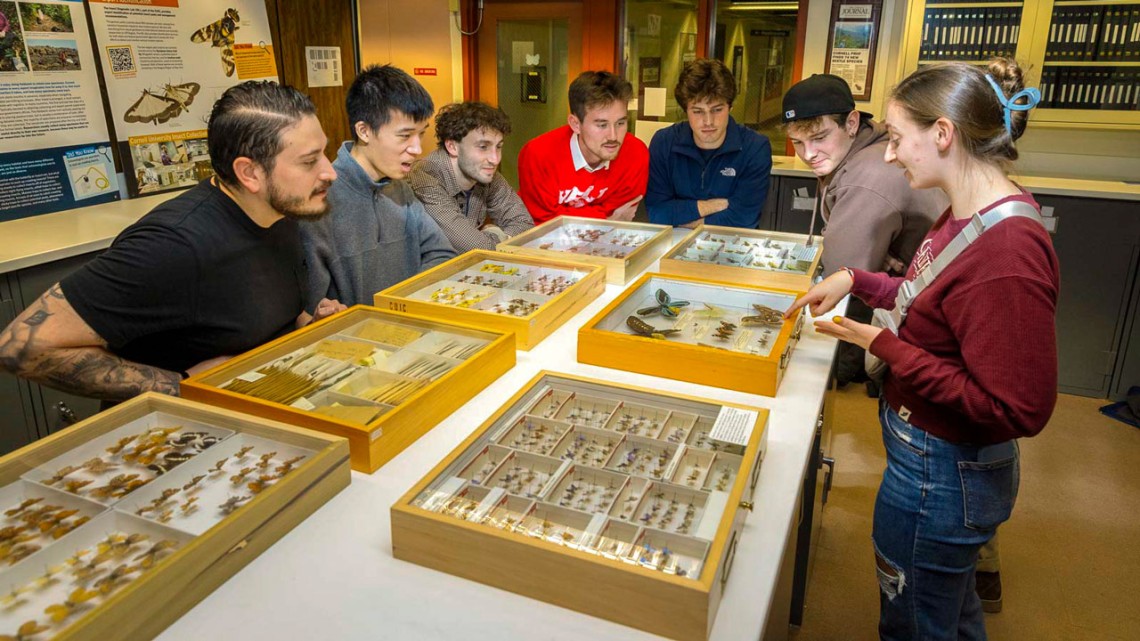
<point x="939" y="502"/>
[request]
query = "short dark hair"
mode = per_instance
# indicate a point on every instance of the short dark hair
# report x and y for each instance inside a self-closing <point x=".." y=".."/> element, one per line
<point x="455" y="121"/>
<point x="380" y="90"/>
<point x="594" y="88"/>
<point x="247" y="121"/>
<point x="705" y="78"/>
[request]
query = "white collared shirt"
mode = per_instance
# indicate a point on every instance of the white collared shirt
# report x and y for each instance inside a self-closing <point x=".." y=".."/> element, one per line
<point x="580" y="160"/>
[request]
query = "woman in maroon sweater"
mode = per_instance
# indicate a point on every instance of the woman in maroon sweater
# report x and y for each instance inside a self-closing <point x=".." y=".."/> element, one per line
<point x="974" y="365"/>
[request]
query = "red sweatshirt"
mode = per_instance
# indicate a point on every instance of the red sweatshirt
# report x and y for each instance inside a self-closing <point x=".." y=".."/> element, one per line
<point x="551" y="186"/>
<point x="976" y="359"/>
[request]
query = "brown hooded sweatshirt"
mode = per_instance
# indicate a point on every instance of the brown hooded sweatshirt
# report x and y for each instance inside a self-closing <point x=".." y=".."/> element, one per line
<point x="870" y="210"/>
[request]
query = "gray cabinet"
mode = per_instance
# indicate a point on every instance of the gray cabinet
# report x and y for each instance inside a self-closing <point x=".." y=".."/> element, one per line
<point x="1098" y="244"/>
<point x="54" y="410"/>
<point x="17" y="417"/>
<point x="795" y="204"/>
<point x="768" y="215"/>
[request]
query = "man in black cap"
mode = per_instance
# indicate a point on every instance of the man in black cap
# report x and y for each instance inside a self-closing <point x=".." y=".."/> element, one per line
<point x="872" y="219"/>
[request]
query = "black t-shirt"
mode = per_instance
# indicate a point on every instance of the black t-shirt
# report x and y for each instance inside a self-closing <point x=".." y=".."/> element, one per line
<point x="193" y="279"/>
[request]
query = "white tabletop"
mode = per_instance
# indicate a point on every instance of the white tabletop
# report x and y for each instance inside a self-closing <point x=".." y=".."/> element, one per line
<point x="334" y="577"/>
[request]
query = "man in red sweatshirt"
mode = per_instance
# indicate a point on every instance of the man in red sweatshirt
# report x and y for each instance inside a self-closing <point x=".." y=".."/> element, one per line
<point x="593" y="166"/>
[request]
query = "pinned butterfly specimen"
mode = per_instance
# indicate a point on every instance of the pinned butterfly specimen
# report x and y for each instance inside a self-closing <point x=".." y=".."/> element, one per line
<point x="71" y="605"/>
<point x="152" y="556"/>
<point x="99" y="466"/>
<point x="15" y="597"/>
<point x="26" y="631"/>
<point x="643" y="328"/>
<point x="157" y="107"/>
<point x="113" y="581"/>
<point x="193" y="482"/>
<point x="266" y="459"/>
<point x="243" y="451"/>
<point x="220" y="33"/>
<point x="23" y="506"/>
<point x="262" y="482"/>
<point x="118" y="447"/>
<point x="665" y="306"/>
<point x="233" y="503"/>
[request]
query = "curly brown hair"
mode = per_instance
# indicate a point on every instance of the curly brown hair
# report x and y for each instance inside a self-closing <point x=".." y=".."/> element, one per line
<point x="455" y="121"/>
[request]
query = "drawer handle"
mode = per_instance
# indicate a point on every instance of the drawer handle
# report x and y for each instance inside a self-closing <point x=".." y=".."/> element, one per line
<point x="828" y="462"/>
<point x="729" y="557"/>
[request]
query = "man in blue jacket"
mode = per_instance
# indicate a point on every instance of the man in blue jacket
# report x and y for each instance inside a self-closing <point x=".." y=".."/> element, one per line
<point x="709" y="168"/>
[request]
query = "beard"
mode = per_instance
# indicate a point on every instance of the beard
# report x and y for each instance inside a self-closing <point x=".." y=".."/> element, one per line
<point x="471" y="171"/>
<point x="296" y="207"/>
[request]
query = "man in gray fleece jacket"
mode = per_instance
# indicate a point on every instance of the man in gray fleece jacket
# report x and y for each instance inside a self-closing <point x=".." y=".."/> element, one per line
<point x="377" y="233"/>
<point x="872" y="218"/>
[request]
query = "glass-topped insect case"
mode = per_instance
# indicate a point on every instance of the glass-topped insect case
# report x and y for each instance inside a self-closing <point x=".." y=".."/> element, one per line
<point x="529" y="296"/>
<point x="116" y="526"/>
<point x="690" y="329"/>
<point x="625" y="249"/>
<point x="380" y="379"/>
<point x="748" y="256"/>
<point x="615" y="501"/>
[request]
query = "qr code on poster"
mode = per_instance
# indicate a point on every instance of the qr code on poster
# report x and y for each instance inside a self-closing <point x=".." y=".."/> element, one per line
<point x="122" y="59"/>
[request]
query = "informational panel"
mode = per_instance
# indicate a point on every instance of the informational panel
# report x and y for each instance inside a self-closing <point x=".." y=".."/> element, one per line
<point x="166" y="62"/>
<point x="55" y="152"/>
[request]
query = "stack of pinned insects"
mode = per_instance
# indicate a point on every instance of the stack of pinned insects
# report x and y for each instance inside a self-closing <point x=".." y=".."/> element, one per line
<point x="298" y="374"/>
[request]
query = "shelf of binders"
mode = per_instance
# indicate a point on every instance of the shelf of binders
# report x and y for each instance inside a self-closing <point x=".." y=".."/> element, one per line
<point x="1083" y="55"/>
<point x="973" y="32"/>
<point x="1089" y="71"/>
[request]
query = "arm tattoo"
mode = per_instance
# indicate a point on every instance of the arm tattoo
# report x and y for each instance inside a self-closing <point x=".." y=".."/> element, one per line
<point x="88" y="370"/>
<point x="37" y="317"/>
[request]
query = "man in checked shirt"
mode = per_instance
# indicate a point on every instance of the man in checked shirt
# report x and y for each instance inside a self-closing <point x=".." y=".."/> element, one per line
<point x="459" y="183"/>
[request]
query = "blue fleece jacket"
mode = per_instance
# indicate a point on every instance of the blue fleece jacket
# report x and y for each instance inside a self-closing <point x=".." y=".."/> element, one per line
<point x="679" y="176"/>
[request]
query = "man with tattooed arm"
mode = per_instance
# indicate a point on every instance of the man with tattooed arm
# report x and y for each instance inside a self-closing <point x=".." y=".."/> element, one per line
<point x="211" y="273"/>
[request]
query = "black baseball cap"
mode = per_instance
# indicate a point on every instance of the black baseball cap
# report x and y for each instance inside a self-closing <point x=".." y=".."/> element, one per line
<point x="819" y="95"/>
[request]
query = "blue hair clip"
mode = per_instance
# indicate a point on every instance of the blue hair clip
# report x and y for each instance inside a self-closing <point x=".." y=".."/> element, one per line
<point x="1009" y="105"/>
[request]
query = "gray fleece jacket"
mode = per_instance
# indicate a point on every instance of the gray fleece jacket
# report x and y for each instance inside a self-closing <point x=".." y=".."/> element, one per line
<point x="376" y="234"/>
<point x="869" y="209"/>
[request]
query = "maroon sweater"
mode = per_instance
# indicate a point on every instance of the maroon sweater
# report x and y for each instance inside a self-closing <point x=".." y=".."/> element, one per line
<point x="976" y="359"/>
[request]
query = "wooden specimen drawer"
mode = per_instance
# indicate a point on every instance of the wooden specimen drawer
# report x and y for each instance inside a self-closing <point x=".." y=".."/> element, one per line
<point x="689" y="329"/>
<point x="625" y="249"/>
<point x="747" y="256"/>
<point x="379" y="379"/>
<point x="529" y="296"/>
<point x="615" y="501"/>
<point x="118" y="525"/>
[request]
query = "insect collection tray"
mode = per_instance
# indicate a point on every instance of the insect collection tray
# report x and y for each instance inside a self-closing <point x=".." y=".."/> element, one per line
<point x="689" y="329"/>
<point x="115" y="527"/>
<point x="748" y="256"/>
<point x="625" y="249"/>
<point x="615" y="501"/>
<point x="379" y="379"/>
<point x="529" y="296"/>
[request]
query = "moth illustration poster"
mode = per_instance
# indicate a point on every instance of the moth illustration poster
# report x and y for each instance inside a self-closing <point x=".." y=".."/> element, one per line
<point x="165" y="63"/>
<point x="55" y="150"/>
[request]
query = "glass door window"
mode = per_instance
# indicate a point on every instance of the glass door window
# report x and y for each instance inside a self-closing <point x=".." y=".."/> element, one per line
<point x="660" y="37"/>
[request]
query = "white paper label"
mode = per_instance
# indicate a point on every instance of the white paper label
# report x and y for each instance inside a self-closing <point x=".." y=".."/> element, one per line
<point x="804" y="203"/>
<point x="303" y="404"/>
<point x="251" y="377"/>
<point x="487" y="504"/>
<point x="733" y="425"/>
<point x="655" y="99"/>
<point x="322" y="65"/>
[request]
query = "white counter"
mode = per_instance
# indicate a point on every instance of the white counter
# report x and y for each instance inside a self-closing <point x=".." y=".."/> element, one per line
<point x="334" y="577"/>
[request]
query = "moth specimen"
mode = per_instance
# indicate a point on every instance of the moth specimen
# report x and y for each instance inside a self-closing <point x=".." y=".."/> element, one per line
<point x="157" y="107"/>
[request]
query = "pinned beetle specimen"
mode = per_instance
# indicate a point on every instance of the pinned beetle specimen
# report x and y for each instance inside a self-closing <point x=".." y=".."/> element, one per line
<point x="645" y="329"/>
<point x="665" y="306"/>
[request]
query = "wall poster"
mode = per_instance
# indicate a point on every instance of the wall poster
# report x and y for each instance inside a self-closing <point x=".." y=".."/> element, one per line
<point x="852" y="42"/>
<point x="165" y="63"/>
<point x="55" y="151"/>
